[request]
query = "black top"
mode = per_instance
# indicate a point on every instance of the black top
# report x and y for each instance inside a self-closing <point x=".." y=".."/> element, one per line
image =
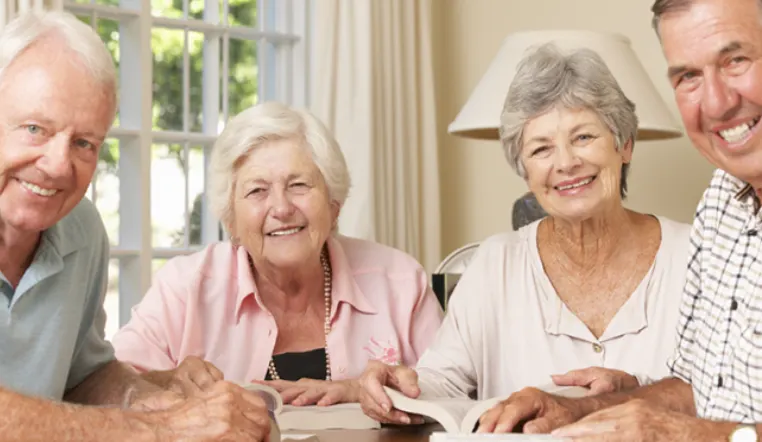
<point x="295" y="366"/>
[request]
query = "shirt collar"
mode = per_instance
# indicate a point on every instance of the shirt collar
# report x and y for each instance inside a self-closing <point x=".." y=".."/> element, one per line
<point x="344" y="287"/>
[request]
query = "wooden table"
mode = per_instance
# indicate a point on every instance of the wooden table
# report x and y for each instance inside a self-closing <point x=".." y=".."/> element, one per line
<point x="416" y="433"/>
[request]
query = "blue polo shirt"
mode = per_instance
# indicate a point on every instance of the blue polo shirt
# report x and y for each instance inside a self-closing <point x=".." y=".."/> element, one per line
<point x="52" y="325"/>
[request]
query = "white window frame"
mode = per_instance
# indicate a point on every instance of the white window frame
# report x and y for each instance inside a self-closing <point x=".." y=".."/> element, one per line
<point x="135" y="131"/>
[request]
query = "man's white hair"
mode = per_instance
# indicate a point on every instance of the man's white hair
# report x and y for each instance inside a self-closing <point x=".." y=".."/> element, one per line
<point x="258" y="125"/>
<point x="32" y="26"/>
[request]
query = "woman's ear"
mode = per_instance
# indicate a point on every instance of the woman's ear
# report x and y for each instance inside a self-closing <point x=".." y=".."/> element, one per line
<point x="626" y="152"/>
<point x="335" y="211"/>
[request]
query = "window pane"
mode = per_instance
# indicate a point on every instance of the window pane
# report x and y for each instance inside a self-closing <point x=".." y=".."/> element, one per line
<point x="111" y="304"/>
<point x="109" y="32"/>
<point x="84" y="18"/>
<point x="107" y="188"/>
<point x="167" y="8"/>
<point x="157" y="263"/>
<point x="168" y="195"/>
<point x="107" y="2"/>
<point x="242" y="12"/>
<point x="242" y="75"/>
<point x="167" y="46"/>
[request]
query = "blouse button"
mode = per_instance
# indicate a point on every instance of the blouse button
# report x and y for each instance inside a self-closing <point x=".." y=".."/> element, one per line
<point x="597" y="348"/>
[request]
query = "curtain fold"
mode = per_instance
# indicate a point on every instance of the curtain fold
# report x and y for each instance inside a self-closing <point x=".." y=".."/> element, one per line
<point x="372" y="84"/>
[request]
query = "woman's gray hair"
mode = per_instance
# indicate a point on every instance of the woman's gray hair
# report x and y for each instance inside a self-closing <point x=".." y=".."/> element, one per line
<point x="547" y="78"/>
<point x="32" y="26"/>
<point x="259" y="125"/>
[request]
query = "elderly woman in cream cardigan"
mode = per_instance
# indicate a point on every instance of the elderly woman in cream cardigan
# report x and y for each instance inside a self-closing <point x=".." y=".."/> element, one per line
<point x="592" y="290"/>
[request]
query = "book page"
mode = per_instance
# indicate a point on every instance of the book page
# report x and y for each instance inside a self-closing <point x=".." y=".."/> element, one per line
<point x="448" y="412"/>
<point x="272" y="398"/>
<point x="489" y="437"/>
<point x="313" y="417"/>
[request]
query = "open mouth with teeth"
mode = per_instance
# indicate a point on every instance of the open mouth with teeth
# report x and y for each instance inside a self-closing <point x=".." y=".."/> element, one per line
<point x="580" y="183"/>
<point x="739" y="133"/>
<point x="286" y="232"/>
<point x="37" y="190"/>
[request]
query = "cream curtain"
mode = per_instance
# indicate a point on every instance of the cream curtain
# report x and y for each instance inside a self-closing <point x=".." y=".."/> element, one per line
<point x="372" y="84"/>
<point x="11" y="8"/>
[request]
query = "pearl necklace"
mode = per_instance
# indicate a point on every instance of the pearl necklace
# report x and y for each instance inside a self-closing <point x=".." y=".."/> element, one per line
<point x="327" y="325"/>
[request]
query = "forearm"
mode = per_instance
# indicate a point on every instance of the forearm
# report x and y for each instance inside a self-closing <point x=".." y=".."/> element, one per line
<point x="671" y="393"/>
<point x="437" y="384"/>
<point x="112" y="384"/>
<point x="24" y="418"/>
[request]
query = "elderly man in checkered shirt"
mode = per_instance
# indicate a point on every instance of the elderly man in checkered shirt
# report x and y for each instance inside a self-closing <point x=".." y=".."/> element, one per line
<point x="714" y="52"/>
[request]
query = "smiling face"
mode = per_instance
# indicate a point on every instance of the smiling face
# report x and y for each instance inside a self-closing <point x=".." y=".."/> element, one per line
<point x="571" y="163"/>
<point x="282" y="212"/>
<point x="50" y="103"/>
<point x="714" y="53"/>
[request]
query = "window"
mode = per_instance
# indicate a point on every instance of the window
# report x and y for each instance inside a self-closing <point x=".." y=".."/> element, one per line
<point x="184" y="67"/>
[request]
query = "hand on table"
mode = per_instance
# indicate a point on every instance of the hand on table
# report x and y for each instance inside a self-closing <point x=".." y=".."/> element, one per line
<point x="193" y="375"/>
<point x="529" y="411"/>
<point x="376" y="403"/>
<point x="597" y="379"/>
<point x="315" y="392"/>
<point x="224" y="411"/>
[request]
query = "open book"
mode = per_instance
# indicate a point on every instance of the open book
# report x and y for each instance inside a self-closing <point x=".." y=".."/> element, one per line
<point x="460" y="415"/>
<point x="313" y="417"/>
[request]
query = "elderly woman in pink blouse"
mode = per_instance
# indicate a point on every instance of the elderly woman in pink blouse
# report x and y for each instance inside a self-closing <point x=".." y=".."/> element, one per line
<point x="287" y="298"/>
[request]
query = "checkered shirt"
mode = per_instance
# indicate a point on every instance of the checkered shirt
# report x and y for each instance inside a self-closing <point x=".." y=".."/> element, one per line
<point x="720" y="330"/>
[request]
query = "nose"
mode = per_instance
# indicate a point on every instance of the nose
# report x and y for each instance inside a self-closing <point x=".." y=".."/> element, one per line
<point x="57" y="161"/>
<point x="281" y="205"/>
<point x="718" y="101"/>
<point x="566" y="159"/>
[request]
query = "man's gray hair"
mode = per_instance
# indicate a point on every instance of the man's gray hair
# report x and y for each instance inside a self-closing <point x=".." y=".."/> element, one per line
<point x="259" y="125"/>
<point x="547" y="78"/>
<point x="23" y="31"/>
<point x="661" y="7"/>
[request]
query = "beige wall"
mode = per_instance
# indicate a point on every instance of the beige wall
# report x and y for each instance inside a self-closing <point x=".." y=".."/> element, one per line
<point x="478" y="187"/>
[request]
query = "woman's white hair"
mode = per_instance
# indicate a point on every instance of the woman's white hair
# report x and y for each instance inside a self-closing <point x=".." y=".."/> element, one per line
<point x="259" y="125"/>
<point x="32" y="26"/>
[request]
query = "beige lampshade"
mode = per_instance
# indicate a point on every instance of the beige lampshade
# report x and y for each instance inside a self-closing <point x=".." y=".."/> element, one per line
<point x="480" y="116"/>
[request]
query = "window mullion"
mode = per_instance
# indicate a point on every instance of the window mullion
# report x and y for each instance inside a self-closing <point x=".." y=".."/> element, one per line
<point x="211" y="112"/>
<point x="299" y="62"/>
<point x="136" y="96"/>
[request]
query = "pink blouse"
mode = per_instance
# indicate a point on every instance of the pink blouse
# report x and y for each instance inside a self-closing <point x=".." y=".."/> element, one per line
<point x="207" y="305"/>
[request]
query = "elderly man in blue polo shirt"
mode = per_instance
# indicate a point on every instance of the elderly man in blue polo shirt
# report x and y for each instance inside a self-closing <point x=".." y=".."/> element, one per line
<point x="58" y="95"/>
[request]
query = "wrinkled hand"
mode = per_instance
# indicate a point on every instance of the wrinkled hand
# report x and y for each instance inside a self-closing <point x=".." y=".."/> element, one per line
<point x="315" y="392"/>
<point x="529" y="411"/>
<point x="156" y="400"/>
<point x="193" y="375"/>
<point x="374" y="400"/>
<point x="224" y="411"/>
<point x="597" y="379"/>
<point x="635" y="421"/>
